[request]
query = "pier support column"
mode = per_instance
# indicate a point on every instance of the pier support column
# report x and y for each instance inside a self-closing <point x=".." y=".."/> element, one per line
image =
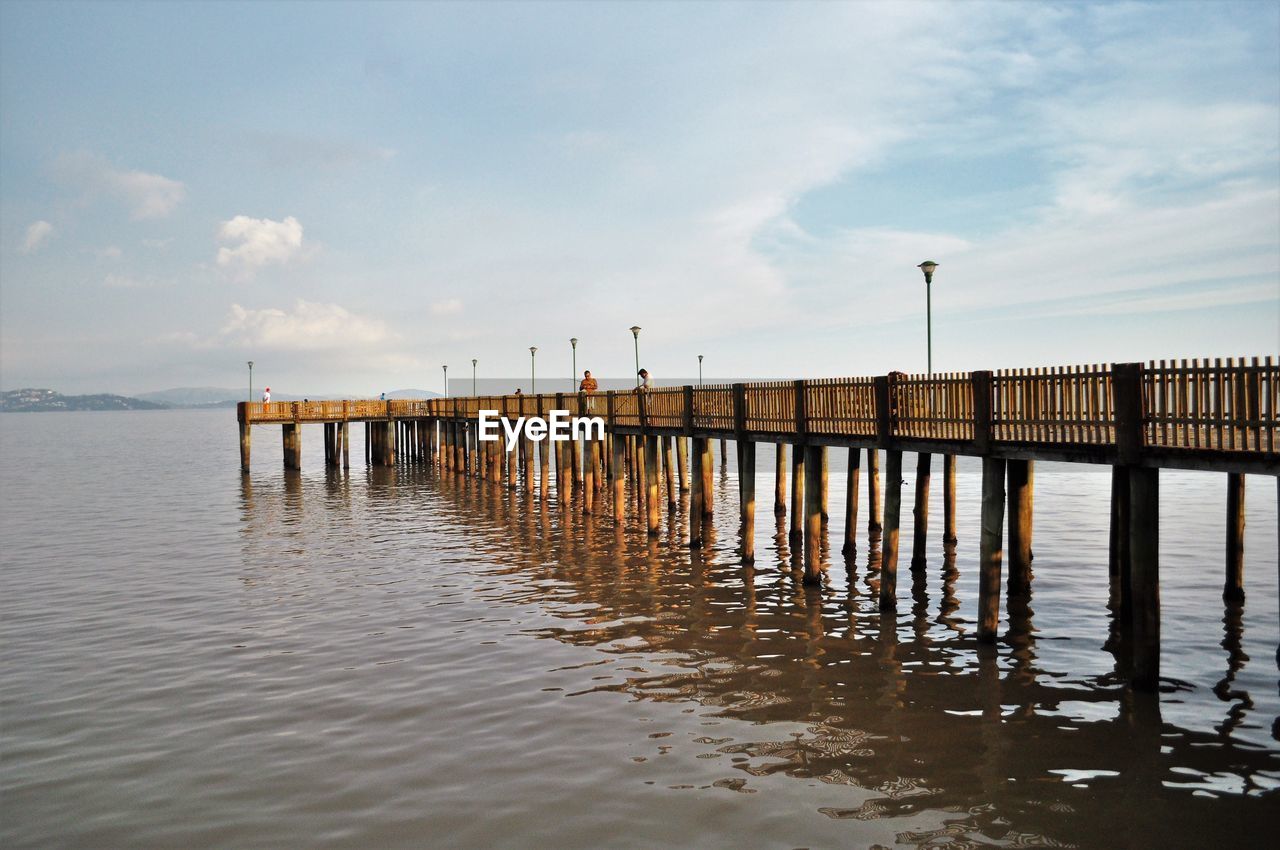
<point x="652" y="497"/>
<point x="949" y="503"/>
<point x="1021" y="495"/>
<point x="852" y="479"/>
<point x="747" y="498"/>
<point x="590" y="454"/>
<point x="618" y="459"/>
<point x="814" y="508"/>
<point x="724" y="456"/>
<point x="889" y="543"/>
<point x="1233" y="586"/>
<point x="823" y="483"/>
<point x="920" y="530"/>
<point x="544" y="467"/>
<point x="780" y="479"/>
<point x="564" y="472"/>
<point x="346" y="445"/>
<point x="796" y="530"/>
<point x="874" y="525"/>
<point x="682" y="459"/>
<point x="668" y="454"/>
<point x="991" y="548"/>
<point x="368" y="444"/>
<point x="708" y="480"/>
<point x="697" y="494"/>
<point x="245" y="432"/>
<point x="1144" y="557"/>
<point x="1118" y="571"/>
<point x="291" y="436"/>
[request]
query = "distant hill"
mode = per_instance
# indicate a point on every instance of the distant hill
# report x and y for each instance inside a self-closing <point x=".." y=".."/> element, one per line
<point x="194" y="396"/>
<point x="31" y="400"/>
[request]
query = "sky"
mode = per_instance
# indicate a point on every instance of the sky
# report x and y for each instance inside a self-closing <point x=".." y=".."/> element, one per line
<point x="354" y="195"/>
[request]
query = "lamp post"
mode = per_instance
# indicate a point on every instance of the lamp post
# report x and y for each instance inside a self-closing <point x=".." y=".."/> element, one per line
<point x="699" y="370"/>
<point x="635" y="332"/>
<point x="533" y="370"/>
<point x="250" y="380"/>
<point x="473" y="375"/>
<point x="573" y="376"/>
<point x="928" y="267"/>
<point x="446" y="381"/>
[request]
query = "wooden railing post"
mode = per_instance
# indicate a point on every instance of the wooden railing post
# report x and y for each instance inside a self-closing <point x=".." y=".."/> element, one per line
<point x="802" y="414"/>
<point x="1126" y="388"/>
<point x="884" y="411"/>
<point x="982" y="413"/>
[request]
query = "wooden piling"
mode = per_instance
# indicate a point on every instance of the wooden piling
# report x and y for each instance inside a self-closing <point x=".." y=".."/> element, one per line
<point x="245" y="442"/>
<point x="673" y="497"/>
<point x="780" y="479"/>
<point x="1118" y="562"/>
<point x="708" y="481"/>
<point x="948" y="502"/>
<point x="889" y="542"/>
<point x="1144" y="557"/>
<point x="652" y="496"/>
<point x="991" y="548"/>
<point x="852" y="478"/>
<point x="346" y="445"/>
<point x="920" y="529"/>
<point x="1021" y="497"/>
<point x="874" y="525"/>
<point x="796" y="530"/>
<point x="368" y="444"/>
<point x="290" y="436"/>
<point x="619" y="459"/>
<point x="1233" y="586"/>
<point x="590" y="451"/>
<point x="747" y="498"/>
<point x="823" y="483"/>
<point x="697" y="495"/>
<point x="813" y="511"/>
<point x="724" y="456"/>
<point x="544" y="467"/>
<point x="682" y="459"/>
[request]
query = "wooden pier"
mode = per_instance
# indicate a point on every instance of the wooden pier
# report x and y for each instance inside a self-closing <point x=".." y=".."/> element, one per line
<point x="1219" y="415"/>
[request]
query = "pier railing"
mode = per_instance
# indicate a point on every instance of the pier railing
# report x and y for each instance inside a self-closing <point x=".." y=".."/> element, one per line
<point x="1217" y="406"/>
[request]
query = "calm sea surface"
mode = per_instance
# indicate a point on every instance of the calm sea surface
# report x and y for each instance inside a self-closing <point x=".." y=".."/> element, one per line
<point x="389" y="659"/>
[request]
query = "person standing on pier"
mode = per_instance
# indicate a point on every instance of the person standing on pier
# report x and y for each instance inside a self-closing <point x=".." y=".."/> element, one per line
<point x="646" y="383"/>
<point x="266" y="395"/>
<point x="588" y="385"/>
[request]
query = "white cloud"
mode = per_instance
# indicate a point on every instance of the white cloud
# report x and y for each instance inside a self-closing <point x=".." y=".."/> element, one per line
<point x="258" y="241"/>
<point x="37" y="233"/>
<point x="448" y="307"/>
<point x="111" y="252"/>
<point x="308" y="327"/>
<point x="123" y="281"/>
<point x="147" y="195"/>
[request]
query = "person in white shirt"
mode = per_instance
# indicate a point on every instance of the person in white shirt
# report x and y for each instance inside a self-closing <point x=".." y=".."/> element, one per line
<point x="266" y="395"/>
<point x="646" y="382"/>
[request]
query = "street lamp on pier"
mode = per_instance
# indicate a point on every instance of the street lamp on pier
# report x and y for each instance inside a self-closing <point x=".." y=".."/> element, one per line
<point x="699" y="370"/>
<point x="928" y="267"/>
<point x="573" y="376"/>
<point x="635" y="332"/>
<point x="250" y="380"/>
<point x="446" y="381"/>
<point x="533" y="370"/>
<point x="473" y="375"/>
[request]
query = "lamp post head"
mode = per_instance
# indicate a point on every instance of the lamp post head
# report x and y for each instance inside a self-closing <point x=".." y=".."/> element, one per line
<point x="250" y="364"/>
<point x="635" y="331"/>
<point x="699" y="358"/>
<point x="533" y="349"/>
<point x="573" y="341"/>
<point x="927" y="267"/>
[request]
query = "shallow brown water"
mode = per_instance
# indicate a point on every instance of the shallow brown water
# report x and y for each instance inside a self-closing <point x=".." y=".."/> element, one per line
<point x="391" y="658"/>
